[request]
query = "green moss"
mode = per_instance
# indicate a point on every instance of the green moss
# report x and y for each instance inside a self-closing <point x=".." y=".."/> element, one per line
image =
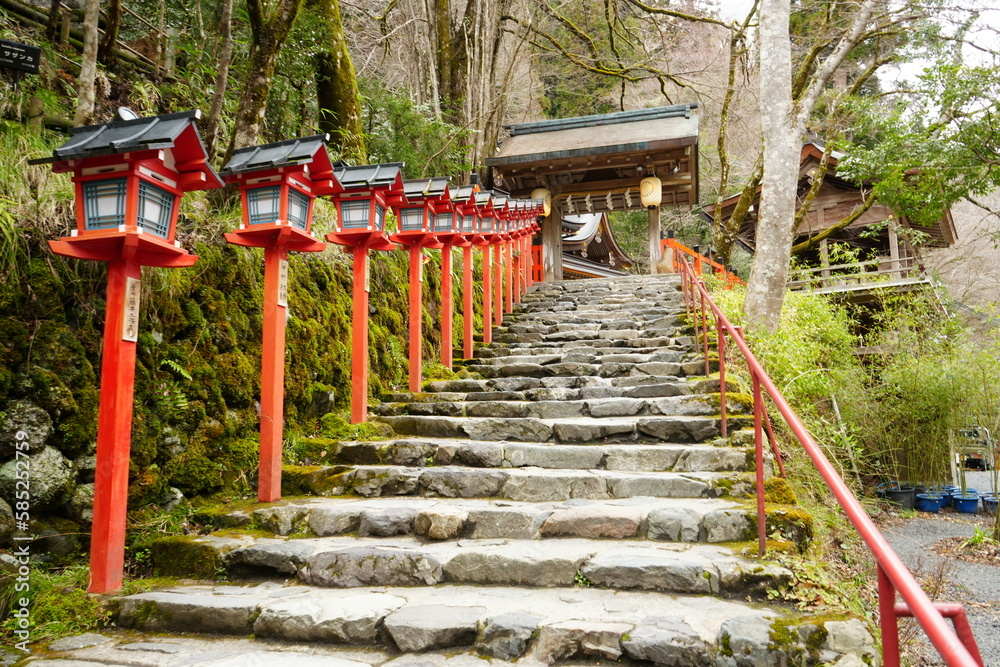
<point x="336" y="427"/>
<point x="778" y="491"/>
<point x="184" y="556"/>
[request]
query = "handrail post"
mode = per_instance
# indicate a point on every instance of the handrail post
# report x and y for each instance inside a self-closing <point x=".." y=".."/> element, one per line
<point x="888" y="620"/>
<point x="774" y="444"/>
<point x="704" y="331"/>
<point x="758" y="406"/>
<point x="721" y="345"/>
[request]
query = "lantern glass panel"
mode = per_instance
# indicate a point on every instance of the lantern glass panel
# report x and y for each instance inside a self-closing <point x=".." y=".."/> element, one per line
<point x="379" y="217"/>
<point x="298" y="208"/>
<point x="354" y="214"/>
<point x="468" y="223"/>
<point x="104" y="203"/>
<point x="156" y="207"/>
<point x="411" y="219"/>
<point x="486" y="225"/>
<point x="442" y="222"/>
<point x="263" y="205"/>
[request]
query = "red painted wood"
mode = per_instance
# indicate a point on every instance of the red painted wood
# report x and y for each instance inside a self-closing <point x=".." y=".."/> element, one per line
<point x="416" y="319"/>
<point x="487" y="295"/>
<point x="359" y="338"/>
<point x="446" y="307"/>
<point x="468" y="316"/>
<point x="509" y="277"/>
<point x="272" y="380"/>
<point x="114" y="431"/>
<point x="497" y="285"/>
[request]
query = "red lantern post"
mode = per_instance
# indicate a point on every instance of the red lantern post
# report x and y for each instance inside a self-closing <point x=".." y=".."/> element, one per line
<point x="277" y="187"/>
<point x="129" y="175"/>
<point x="416" y="214"/>
<point x="467" y="215"/>
<point x="448" y="222"/>
<point x="361" y="195"/>
<point x="496" y="239"/>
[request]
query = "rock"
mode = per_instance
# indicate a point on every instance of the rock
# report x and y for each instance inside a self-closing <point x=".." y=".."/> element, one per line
<point x="536" y="487"/>
<point x="410" y="453"/>
<point x="748" y="643"/>
<point x="481" y="455"/>
<point x="51" y="474"/>
<point x="668" y="641"/>
<point x="593" y="522"/>
<point x="441" y="523"/>
<point x="387" y="522"/>
<point x="86" y="466"/>
<point x="281" y="519"/>
<point x="521" y="566"/>
<point x="673" y="525"/>
<point x="507" y="636"/>
<point x="502" y="409"/>
<point x="849" y="637"/>
<point x="516" y="523"/>
<point x="426" y="627"/>
<point x="7" y="523"/>
<point x="283" y="557"/>
<point x="714" y="459"/>
<point x="166" y="611"/>
<point x="657" y="486"/>
<point x="542" y="409"/>
<point x="79" y="641"/>
<point x="334" y="619"/>
<point x="324" y="521"/>
<point x="377" y="481"/>
<point x="524" y="430"/>
<point x="728" y="526"/>
<point x="615" y="407"/>
<point x="579" y="639"/>
<point x="81" y="505"/>
<point x="519" y="455"/>
<point x="353" y="567"/>
<point x="23" y="423"/>
<point x="170" y="499"/>
<point x="462" y="483"/>
<point x="672" y="573"/>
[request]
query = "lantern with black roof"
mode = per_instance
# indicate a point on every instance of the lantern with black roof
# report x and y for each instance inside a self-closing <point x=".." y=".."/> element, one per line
<point x="416" y="214"/>
<point x="362" y="195"/>
<point x="483" y="239"/>
<point x="129" y="175"/>
<point x="278" y="184"/>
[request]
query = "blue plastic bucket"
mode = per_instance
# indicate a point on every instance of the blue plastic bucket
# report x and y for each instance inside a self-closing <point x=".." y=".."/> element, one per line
<point x="929" y="502"/>
<point x="967" y="504"/>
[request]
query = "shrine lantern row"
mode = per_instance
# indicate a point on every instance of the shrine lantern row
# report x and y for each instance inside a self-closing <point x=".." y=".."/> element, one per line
<point x="129" y="176"/>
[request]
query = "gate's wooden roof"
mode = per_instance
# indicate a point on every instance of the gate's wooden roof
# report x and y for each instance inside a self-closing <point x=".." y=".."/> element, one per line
<point x="604" y="154"/>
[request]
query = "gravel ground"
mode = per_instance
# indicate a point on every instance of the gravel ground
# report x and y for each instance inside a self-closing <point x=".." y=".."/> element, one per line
<point x="975" y="585"/>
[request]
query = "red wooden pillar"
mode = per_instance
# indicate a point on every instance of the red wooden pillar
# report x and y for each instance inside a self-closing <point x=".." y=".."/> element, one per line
<point x="272" y="376"/>
<point x="359" y="337"/>
<point x="509" y="271"/>
<point x="518" y="271"/>
<point x="487" y="296"/>
<point x="446" y="307"/>
<point x="416" y="318"/>
<point x="469" y="312"/>
<point x="114" y="427"/>
<point x="497" y="285"/>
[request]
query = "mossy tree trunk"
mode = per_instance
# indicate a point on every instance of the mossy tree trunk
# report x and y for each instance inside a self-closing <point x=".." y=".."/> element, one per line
<point x="269" y="30"/>
<point x="86" y="89"/>
<point x="337" y="87"/>
<point x="107" y="52"/>
<point x="221" y="78"/>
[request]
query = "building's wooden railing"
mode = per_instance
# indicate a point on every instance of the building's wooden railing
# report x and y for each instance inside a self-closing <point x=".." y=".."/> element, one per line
<point x="881" y="272"/>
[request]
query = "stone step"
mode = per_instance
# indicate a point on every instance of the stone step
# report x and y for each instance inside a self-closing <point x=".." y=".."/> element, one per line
<point x="471" y="386"/>
<point x="569" y="430"/>
<point x="654" y="457"/>
<point x="556" y="404"/>
<point x="691" y="367"/>
<point x="664" y="519"/>
<point x="353" y="562"/>
<point x="521" y="484"/>
<point x="586" y="356"/>
<point x="460" y="626"/>
<point x="494" y="351"/>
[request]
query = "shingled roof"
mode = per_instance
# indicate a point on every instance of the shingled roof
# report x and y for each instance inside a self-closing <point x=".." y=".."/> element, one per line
<point x="280" y="154"/>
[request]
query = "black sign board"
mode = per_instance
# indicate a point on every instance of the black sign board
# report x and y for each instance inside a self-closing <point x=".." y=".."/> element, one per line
<point x="20" y="57"/>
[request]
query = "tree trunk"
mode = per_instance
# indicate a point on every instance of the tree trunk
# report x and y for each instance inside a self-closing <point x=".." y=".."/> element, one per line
<point x="221" y="78"/>
<point x="442" y="29"/>
<point x="53" y="25"/>
<point x="88" y="65"/>
<point x="269" y="34"/>
<point x="107" y="52"/>
<point x="337" y="87"/>
<point x="766" y="285"/>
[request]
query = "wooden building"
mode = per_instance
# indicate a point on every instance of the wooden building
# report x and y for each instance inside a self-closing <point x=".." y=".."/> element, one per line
<point x="594" y="164"/>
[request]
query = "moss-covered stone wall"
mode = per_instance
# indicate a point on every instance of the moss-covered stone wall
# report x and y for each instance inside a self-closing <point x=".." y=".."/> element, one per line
<point x="198" y="364"/>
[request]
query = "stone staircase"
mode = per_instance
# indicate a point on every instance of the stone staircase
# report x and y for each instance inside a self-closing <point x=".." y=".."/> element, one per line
<point x="574" y="503"/>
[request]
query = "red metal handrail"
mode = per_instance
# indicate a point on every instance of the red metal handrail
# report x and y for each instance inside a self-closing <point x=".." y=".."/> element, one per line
<point x="956" y="649"/>
<point x="728" y="277"/>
